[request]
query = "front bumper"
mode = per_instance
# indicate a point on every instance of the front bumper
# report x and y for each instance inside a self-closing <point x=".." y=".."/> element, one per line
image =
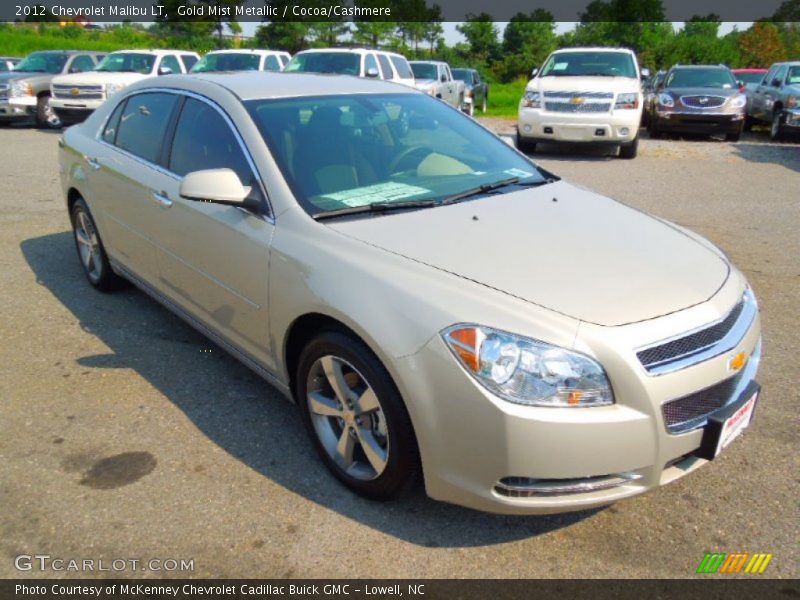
<point x="9" y="110"/>
<point x="616" y="126"/>
<point x="697" y="122"/>
<point x="476" y="447"/>
<point x="792" y="118"/>
<point x="70" y="115"/>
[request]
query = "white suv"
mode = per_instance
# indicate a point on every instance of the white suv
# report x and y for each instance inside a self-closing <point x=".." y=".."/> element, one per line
<point x="583" y="95"/>
<point x="360" y="62"/>
<point x="75" y="96"/>
<point x="242" y="59"/>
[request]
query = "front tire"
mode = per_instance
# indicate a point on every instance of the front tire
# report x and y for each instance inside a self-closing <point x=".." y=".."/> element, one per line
<point x="46" y="118"/>
<point x="355" y="416"/>
<point x="629" y="150"/>
<point x="652" y="128"/>
<point x="524" y="145"/>
<point x="484" y="104"/>
<point x="776" y="129"/>
<point x="91" y="251"/>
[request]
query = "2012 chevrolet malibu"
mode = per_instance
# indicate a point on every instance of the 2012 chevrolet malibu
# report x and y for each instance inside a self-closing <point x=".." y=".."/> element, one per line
<point x="433" y="301"/>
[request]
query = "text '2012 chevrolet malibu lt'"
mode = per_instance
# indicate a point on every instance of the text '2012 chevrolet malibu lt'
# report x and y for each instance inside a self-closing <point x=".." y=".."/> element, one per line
<point x="434" y="302"/>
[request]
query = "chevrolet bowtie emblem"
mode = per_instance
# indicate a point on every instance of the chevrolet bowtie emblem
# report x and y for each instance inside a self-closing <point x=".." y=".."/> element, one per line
<point x="74" y="91"/>
<point x="737" y="362"/>
<point x="576" y="100"/>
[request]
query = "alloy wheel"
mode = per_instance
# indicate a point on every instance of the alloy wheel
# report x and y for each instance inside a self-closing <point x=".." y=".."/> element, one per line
<point x="51" y="118"/>
<point x="348" y="418"/>
<point x="88" y="246"/>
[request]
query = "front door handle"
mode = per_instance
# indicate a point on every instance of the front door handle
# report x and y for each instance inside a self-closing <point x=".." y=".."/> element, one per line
<point x="162" y="199"/>
<point x="93" y="163"/>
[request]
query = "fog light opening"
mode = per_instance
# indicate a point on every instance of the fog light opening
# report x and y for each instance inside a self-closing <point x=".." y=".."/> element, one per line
<point x="528" y="487"/>
<point x="599" y="132"/>
<point x="624" y="131"/>
<point x="526" y="128"/>
<point x="548" y="130"/>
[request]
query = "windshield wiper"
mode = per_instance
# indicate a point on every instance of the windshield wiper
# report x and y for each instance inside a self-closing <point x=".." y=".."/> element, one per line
<point x="488" y="188"/>
<point x="374" y="207"/>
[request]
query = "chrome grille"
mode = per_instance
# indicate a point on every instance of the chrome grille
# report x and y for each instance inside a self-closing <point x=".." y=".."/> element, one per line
<point x="683" y="347"/>
<point x="692" y="411"/>
<point x="586" y="107"/>
<point x="78" y="92"/>
<point x="702" y="101"/>
<point x="566" y="96"/>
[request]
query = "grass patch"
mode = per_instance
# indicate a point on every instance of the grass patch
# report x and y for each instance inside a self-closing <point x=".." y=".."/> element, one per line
<point x="504" y="98"/>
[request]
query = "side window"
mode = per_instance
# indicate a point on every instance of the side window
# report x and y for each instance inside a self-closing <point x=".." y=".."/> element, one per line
<point x="402" y="66"/>
<point x="144" y="122"/>
<point x="769" y="76"/>
<point x="204" y="140"/>
<point x="476" y="78"/>
<point x="780" y="75"/>
<point x="110" y="132"/>
<point x="370" y="63"/>
<point x="189" y="60"/>
<point x="171" y="63"/>
<point x="271" y="63"/>
<point x="81" y="63"/>
<point x="448" y="73"/>
<point x="386" y="66"/>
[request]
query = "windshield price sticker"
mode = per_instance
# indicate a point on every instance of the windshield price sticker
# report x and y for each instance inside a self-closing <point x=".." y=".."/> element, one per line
<point x="380" y="192"/>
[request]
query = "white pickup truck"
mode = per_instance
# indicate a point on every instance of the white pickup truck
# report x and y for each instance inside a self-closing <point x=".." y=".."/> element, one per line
<point x="583" y="95"/>
<point x="435" y="79"/>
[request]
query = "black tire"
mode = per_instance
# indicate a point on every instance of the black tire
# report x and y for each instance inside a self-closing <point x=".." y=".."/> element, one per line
<point x="485" y="103"/>
<point x="733" y="137"/>
<point x="402" y="461"/>
<point x="652" y="129"/>
<point x="470" y="109"/>
<point x="45" y="116"/>
<point x="629" y="150"/>
<point x="524" y="145"/>
<point x="748" y="123"/>
<point x="776" y="130"/>
<point x="99" y="274"/>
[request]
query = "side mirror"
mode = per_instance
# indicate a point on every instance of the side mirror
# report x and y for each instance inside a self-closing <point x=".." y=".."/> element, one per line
<point x="164" y="71"/>
<point x="220" y="186"/>
<point x="372" y="72"/>
<point x="645" y="73"/>
<point x="443" y="78"/>
<point x="776" y="82"/>
<point x="534" y="71"/>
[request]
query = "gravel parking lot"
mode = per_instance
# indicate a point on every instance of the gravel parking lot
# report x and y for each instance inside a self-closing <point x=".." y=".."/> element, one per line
<point x="125" y="434"/>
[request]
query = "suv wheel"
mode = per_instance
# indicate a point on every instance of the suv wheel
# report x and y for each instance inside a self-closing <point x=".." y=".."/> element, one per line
<point x="356" y="417"/>
<point x="90" y="249"/>
<point x="776" y="130"/>
<point x="484" y="103"/>
<point x="45" y="115"/>
<point x="652" y="128"/>
<point x="630" y="149"/>
<point x="524" y="145"/>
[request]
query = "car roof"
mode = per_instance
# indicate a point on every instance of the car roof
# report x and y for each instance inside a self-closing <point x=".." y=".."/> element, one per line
<point x="156" y="51"/>
<point x="246" y="51"/>
<point x="593" y="49"/>
<point x="695" y="67"/>
<point x="750" y="70"/>
<point x="255" y="85"/>
<point x="427" y="62"/>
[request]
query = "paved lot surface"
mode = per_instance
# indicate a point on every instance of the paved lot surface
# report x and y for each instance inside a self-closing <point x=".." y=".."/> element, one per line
<point x="125" y="434"/>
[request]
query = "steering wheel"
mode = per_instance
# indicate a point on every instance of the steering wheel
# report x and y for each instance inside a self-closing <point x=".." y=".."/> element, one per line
<point x="423" y="151"/>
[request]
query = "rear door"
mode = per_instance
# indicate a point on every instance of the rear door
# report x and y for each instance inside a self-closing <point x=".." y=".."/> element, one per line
<point x="214" y="259"/>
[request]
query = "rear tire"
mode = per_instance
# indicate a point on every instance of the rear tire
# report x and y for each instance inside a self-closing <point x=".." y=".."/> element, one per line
<point x="733" y="137"/>
<point x="91" y="252"/>
<point x="46" y="118"/>
<point x="355" y="416"/>
<point x="629" y="150"/>
<point x="484" y="104"/>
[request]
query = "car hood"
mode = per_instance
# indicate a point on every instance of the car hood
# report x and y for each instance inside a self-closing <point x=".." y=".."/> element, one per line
<point x="584" y="84"/>
<point x="20" y="75"/>
<point x="98" y="77"/>
<point x="424" y="83"/>
<point x="558" y="246"/>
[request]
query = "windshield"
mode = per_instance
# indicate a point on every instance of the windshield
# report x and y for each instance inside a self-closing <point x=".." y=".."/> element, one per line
<point x="42" y="62"/>
<point x="793" y="76"/>
<point x="423" y="70"/>
<point x="341" y="63"/>
<point x="750" y="76"/>
<point x="227" y="62"/>
<point x="128" y="62"/>
<point x="589" y="64"/>
<point x="705" y="78"/>
<point x="345" y="151"/>
<point x="464" y="75"/>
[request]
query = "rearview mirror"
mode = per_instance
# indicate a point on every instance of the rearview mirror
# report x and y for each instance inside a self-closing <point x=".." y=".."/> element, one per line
<point x="534" y="71"/>
<point x="372" y="72"/>
<point x="164" y="71"/>
<point x="220" y="186"/>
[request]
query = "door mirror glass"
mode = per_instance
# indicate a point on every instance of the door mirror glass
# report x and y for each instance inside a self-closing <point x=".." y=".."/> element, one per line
<point x="443" y="78"/>
<point x="164" y="71"/>
<point x="776" y="82"/>
<point x="221" y="186"/>
<point x="534" y="71"/>
<point x="372" y="72"/>
<point x="645" y="73"/>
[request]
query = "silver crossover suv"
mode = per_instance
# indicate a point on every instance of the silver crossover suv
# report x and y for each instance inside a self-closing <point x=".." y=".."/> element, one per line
<point x="432" y="301"/>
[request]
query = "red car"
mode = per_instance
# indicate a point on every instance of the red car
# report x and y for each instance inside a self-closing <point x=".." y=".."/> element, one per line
<point x="745" y="76"/>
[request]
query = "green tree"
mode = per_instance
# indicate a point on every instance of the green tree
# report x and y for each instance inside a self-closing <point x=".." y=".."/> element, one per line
<point x="481" y="34"/>
<point x="291" y="36"/>
<point x="434" y="32"/>
<point x="527" y="40"/>
<point x="761" y="45"/>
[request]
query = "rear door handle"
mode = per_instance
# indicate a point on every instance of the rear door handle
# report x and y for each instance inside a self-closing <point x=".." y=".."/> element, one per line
<point x="162" y="199"/>
<point x="92" y="162"/>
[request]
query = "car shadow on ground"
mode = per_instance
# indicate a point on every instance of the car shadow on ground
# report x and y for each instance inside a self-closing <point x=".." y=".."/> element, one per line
<point x="786" y="154"/>
<point x="242" y="414"/>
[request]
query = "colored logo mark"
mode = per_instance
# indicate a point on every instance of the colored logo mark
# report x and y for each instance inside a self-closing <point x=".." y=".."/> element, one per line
<point x="740" y="562"/>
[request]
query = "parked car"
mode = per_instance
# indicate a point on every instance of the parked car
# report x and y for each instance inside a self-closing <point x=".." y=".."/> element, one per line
<point x="517" y="372"/>
<point x="435" y="79"/>
<point x="25" y="91"/>
<point x="241" y="60"/>
<point x="650" y="93"/>
<point x="476" y="90"/>
<point x="776" y="100"/>
<point x="583" y="95"/>
<point x="359" y="62"/>
<point x="703" y="99"/>
<point x="75" y="96"/>
<point x="7" y="63"/>
<point x="747" y="78"/>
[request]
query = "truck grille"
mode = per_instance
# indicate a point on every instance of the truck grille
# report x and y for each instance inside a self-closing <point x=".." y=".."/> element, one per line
<point x="578" y="102"/>
<point x="588" y="107"/>
<point x="703" y="101"/>
<point x="78" y="92"/>
<point x="692" y="411"/>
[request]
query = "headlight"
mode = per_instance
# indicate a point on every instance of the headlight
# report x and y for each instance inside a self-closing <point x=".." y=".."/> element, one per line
<point x="21" y="89"/>
<point x="738" y="101"/>
<point x="113" y="88"/>
<point x="666" y="100"/>
<point x="627" y="101"/>
<point x="531" y="99"/>
<point x="791" y="101"/>
<point x="431" y="91"/>
<point x="526" y="371"/>
<point x="468" y="93"/>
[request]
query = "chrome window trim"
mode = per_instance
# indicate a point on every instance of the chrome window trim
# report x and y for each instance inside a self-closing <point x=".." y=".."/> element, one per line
<point x="729" y="341"/>
<point x="164" y="171"/>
